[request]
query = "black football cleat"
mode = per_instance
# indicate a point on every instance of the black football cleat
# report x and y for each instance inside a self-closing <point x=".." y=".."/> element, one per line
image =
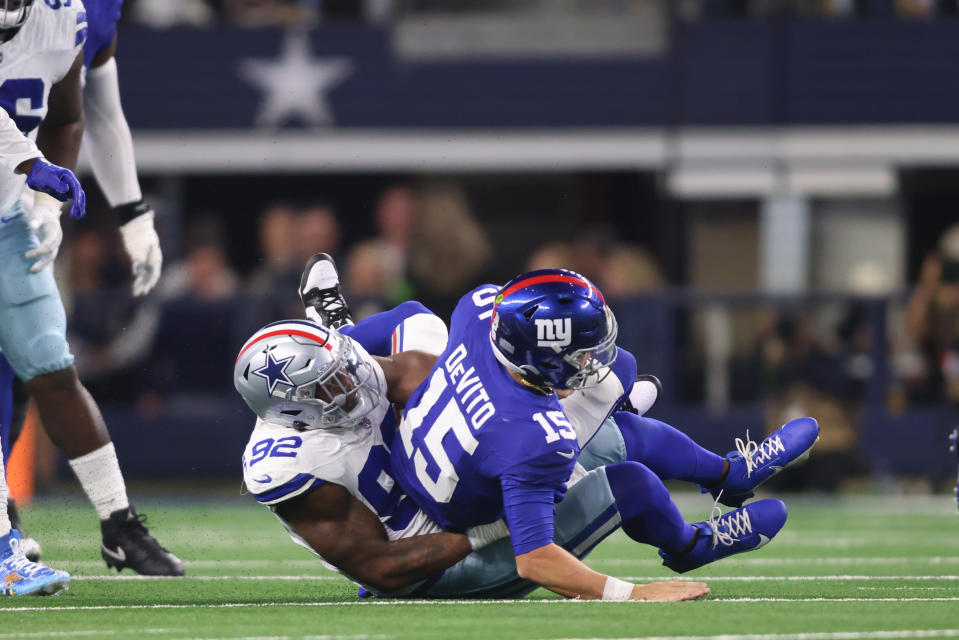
<point x="127" y="543"/>
<point x="322" y="294"/>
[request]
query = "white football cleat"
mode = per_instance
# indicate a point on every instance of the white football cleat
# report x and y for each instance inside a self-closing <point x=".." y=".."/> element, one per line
<point x="322" y="294"/>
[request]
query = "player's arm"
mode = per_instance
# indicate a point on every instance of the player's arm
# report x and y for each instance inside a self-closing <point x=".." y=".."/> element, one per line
<point x="62" y="128"/>
<point x="348" y="535"/>
<point x="58" y="138"/>
<point x="404" y="372"/>
<point x="111" y="157"/>
<point x="529" y="507"/>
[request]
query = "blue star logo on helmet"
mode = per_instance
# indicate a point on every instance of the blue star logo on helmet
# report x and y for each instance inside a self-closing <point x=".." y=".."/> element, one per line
<point x="274" y="371"/>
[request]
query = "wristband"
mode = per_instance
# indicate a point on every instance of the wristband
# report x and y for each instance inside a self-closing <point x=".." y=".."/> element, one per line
<point x="131" y="210"/>
<point x="617" y="590"/>
<point x="481" y="535"/>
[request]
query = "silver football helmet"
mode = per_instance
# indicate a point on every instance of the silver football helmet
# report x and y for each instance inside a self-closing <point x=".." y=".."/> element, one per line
<point x="305" y="376"/>
<point x="13" y="13"/>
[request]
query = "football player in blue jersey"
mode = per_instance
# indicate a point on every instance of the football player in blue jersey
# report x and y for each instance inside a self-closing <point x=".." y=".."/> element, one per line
<point x="42" y="94"/>
<point x="308" y="515"/>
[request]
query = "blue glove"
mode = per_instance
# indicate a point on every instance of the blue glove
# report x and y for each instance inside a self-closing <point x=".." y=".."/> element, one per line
<point x="59" y="183"/>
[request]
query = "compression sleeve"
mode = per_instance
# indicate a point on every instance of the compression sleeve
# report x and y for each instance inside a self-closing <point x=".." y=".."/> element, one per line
<point x="107" y="136"/>
<point x="14" y="146"/>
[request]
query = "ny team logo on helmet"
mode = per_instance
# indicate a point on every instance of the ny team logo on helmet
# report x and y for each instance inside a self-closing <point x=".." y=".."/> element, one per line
<point x="553" y="327"/>
<point x="301" y="375"/>
<point x="13" y="13"/>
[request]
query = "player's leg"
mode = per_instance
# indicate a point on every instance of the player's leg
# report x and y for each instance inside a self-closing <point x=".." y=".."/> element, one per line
<point x="672" y="454"/>
<point x="12" y="414"/>
<point x="32" y="335"/>
<point x="20" y="576"/>
<point x="409" y="325"/>
<point x="625" y="495"/>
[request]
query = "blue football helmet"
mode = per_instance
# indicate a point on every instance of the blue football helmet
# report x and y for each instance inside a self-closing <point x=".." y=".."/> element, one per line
<point x="553" y="327"/>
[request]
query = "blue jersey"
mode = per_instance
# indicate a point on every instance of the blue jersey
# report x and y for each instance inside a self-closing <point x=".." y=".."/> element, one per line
<point x="102" y="17"/>
<point x="476" y="445"/>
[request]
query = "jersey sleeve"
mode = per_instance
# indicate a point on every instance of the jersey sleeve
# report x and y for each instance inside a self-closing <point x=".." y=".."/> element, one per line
<point x="71" y="34"/>
<point x="587" y="409"/>
<point x="102" y="17"/>
<point x="530" y="491"/>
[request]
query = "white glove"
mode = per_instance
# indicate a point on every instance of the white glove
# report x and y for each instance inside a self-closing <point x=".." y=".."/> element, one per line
<point x="44" y="219"/>
<point x="483" y="534"/>
<point x="143" y="246"/>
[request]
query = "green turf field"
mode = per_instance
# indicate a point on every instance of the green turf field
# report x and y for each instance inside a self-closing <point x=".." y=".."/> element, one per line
<point x="850" y="569"/>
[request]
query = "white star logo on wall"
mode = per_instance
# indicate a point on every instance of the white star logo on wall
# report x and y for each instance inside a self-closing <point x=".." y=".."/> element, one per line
<point x="295" y="84"/>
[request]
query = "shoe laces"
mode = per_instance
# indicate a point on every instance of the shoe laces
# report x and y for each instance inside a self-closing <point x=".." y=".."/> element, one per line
<point x="331" y="306"/>
<point x="757" y="454"/>
<point x="18" y="563"/>
<point x="728" y="528"/>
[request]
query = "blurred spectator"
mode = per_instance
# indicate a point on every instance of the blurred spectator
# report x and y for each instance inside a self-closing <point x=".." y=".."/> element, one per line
<point x="171" y="13"/>
<point x="273" y="285"/>
<point x="375" y="273"/>
<point x="451" y="248"/>
<point x="367" y="280"/>
<point x="317" y="230"/>
<point x="553" y="255"/>
<point x="198" y="329"/>
<point x="629" y="270"/>
<point x="932" y="323"/>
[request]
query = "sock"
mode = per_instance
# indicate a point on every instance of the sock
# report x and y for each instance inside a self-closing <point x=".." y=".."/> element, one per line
<point x="99" y="475"/>
<point x="669" y="452"/>
<point x="375" y="333"/>
<point x="649" y="514"/>
<point x="4" y="493"/>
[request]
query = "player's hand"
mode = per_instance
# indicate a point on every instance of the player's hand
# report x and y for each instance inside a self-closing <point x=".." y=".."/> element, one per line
<point x="44" y="219"/>
<point x="58" y="182"/>
<point x="672" y="591"/>
<point x="143" y="246"/>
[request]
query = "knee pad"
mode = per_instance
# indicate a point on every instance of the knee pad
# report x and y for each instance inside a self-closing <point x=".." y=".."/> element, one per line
<point x="636" y="488"/>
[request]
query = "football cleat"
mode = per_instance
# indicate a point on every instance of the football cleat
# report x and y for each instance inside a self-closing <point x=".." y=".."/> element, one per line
<point x="31" y="548"/>
<point x="22" y="577"/>
<point x="745" y="529"/>
<point x="751" y="464"/>
<point x="646" y="390"/>
<point x="127" y="543"/>
<point x="322" y="294"/>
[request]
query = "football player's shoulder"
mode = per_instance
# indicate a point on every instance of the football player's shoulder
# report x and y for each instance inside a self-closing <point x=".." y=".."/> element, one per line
<point x="61" y="25"/>
<point x="477" y="304"/>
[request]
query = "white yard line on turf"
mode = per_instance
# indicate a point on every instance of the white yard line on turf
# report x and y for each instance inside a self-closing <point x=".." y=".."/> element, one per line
<point x="837" y="635"/>
<point x="374" y="603"/>
<point x="613" y="562"/>
<point x="789" y="578"/>
<point x="952" y="578"/>
<point x="70" y="634"/>
<point x="206" y="578"/>
<point x="791" y="562"/>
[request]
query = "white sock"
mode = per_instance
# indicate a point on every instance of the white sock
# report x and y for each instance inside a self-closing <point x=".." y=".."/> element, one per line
<point x="99" y="475"/>
<point x="5" y="525"/>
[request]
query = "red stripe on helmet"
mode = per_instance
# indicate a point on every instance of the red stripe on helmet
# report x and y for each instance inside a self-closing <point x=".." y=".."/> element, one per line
<point x="528" y="282"/>
<point x="284" y="332"/>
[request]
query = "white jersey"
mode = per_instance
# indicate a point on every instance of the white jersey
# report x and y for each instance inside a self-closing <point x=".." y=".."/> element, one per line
<point x="31" y="62"/>
<point x="280" y="463"/>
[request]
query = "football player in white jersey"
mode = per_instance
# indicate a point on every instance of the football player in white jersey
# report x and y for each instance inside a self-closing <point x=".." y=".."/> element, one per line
<point x="40" y="88"/>
<point x="19" y="154"/>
